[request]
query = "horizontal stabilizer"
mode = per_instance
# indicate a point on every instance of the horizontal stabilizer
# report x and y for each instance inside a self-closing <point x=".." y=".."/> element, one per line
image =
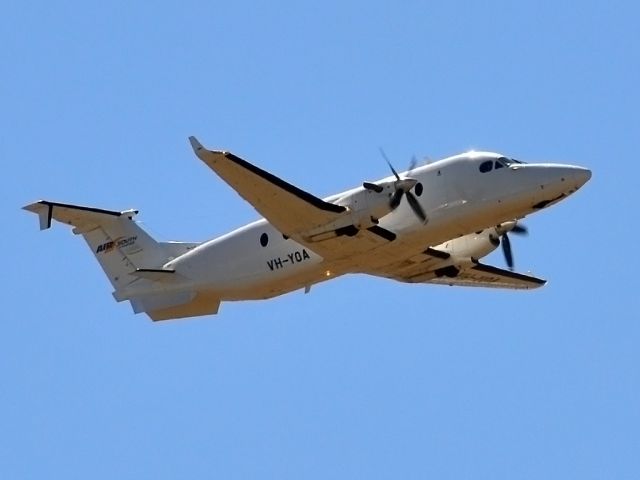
<point x="81" y="217"/>
<point x="156" y="275"/>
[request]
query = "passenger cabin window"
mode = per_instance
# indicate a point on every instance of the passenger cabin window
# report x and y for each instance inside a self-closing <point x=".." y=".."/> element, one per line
<point x="486" y="166"/>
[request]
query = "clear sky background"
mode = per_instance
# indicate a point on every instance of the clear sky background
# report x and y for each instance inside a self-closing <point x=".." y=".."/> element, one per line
<point x="363" y="377"/>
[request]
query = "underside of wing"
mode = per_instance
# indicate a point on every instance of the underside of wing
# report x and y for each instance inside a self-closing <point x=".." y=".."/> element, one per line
<point x="287" y="207"/>
<point x="436" y="267"/>
<point x="324" y="227"/>
<point x="481" y="275"/>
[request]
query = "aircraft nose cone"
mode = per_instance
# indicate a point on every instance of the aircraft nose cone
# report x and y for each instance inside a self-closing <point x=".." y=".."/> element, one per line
<point x="581" y="176"/>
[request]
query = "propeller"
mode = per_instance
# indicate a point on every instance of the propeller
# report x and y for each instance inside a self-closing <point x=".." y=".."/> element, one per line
<point x="502" y="230"/>
<point x="403" y="187"/>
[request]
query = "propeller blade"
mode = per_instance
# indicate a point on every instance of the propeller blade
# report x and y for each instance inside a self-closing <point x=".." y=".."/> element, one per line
<point x="506" y="249"/>
<point x="402" y="186"/>
<point x="396" y="198"/>
<point x="520" y="230"/>
<point x="416" y="207"/>
<point x="372" y="186"/>
<point x="393" y="170"/>
<point x="412" y="165"/>
<point x="384" y="155"/>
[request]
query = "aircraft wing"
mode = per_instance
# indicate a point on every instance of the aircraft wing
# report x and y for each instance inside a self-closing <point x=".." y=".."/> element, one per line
<point x="324" y="227"/>
<point x="287" y="207"/>
<point x="475" y="274"/>
<point x="481" y="275"/>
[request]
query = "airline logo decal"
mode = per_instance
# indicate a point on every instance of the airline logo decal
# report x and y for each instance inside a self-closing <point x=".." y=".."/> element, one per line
<point x="121" y="242"/>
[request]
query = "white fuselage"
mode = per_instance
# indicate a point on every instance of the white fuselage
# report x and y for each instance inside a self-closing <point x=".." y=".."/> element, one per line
<point x="256" y="261"/>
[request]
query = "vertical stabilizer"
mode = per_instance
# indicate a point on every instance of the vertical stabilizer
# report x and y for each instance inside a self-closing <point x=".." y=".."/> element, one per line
<point x="128" y="254"/>
<point x="119" y="244"/>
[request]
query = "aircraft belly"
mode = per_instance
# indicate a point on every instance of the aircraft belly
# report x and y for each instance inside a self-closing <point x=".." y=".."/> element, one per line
<point x="262" y="287"/>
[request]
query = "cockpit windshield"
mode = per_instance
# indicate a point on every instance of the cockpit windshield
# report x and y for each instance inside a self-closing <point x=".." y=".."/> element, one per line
<point x="508" y="161"/>
<point x="497" y="163"/>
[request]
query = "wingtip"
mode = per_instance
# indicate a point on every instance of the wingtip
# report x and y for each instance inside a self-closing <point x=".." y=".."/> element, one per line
<point x="195" y="144"/>
<point x="204" y="154"/>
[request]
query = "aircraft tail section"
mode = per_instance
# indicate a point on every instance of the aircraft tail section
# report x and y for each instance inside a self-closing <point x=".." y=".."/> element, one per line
<point x="132" y="260"/>
<point x="124" y="250"/>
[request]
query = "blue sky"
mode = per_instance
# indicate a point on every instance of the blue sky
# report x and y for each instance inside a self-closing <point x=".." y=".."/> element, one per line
<point x="362" y="378"/>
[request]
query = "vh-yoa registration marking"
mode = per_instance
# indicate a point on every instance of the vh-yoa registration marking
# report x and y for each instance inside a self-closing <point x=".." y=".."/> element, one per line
<point x="291" y="258"/>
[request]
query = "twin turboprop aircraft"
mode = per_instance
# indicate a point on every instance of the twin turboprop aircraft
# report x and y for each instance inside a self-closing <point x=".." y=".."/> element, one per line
<point x="431" y="224"/>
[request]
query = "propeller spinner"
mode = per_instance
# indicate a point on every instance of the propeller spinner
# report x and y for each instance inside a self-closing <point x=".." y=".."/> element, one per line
<point x="402" y="187"/>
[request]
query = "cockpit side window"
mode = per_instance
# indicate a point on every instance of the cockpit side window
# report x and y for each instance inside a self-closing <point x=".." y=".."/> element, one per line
<point x="498" y="165"/>
<point x="486" y="166"/>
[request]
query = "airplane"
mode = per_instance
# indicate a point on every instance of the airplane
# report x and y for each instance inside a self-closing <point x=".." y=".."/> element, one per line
<point x="431" y="224"/>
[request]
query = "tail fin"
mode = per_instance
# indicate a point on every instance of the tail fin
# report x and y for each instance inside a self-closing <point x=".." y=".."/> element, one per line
<point x="119" y="244"/>
<point x="128" y="254"/>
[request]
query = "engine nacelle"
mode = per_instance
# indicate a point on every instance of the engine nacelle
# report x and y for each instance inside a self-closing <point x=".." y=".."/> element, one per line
<point x="473" y="245"/>
<point x="368" y="206"/>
